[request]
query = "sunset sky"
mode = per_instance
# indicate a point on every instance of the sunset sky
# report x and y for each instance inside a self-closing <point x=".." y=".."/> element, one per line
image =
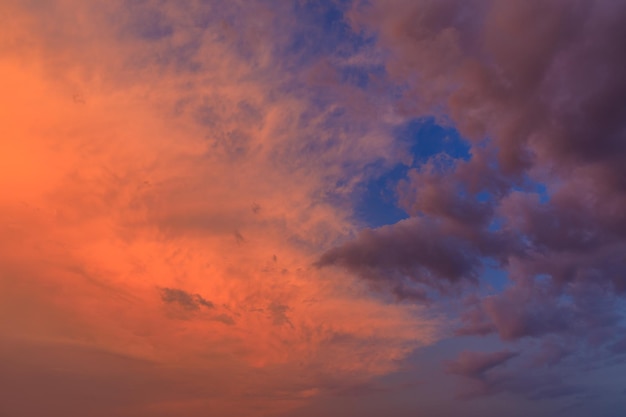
<point x="312" y="208"/>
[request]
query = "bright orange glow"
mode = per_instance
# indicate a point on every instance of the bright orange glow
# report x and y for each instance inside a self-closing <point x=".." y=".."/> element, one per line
<point x="112" y="193"/>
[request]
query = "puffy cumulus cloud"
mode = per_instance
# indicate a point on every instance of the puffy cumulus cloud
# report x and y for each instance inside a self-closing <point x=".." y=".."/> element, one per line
<point x="537" y="89"/>
<point x="168" y="179"/>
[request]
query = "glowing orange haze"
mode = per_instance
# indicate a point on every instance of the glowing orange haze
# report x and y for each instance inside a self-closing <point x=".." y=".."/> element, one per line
<point x="152" y="263"/>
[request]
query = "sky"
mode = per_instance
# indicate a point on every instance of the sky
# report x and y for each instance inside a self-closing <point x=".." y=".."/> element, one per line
<point x="309" y="208"/>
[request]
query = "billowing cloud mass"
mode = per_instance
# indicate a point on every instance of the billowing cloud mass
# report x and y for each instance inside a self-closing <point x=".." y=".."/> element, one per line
<point x="304" y="208"/>
<point x="537" y="89"/>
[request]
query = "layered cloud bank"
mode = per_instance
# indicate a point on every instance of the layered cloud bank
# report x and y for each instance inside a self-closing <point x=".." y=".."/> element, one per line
<point x="181" y="189"/>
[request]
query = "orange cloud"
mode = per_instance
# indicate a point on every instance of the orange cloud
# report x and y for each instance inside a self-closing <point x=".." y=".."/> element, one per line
<point x="159" y="223"/>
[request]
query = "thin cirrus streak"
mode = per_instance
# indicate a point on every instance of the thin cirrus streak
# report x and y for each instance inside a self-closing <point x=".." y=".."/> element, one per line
<point x="182" y="221"/>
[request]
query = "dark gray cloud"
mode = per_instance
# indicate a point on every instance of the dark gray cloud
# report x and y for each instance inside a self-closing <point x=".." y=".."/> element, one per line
<point x="278" y="314"/>
<point x="224" y="318"/>
<point x="184" y="299"/>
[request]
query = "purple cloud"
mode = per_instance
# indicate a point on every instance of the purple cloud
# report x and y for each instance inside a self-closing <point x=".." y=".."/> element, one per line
<point x="521" y="81"/>
<point x="476" y="364"/>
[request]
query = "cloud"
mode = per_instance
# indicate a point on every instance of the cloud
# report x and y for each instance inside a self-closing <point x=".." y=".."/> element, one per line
<point x="486" y="375"/>
<point x="476" y="364"/>
<point x="278" y="313"/>
<point x="188" y="118"/>
<point x="540" y="196"/>
<point x="184" y="299"/>
<point x="534" y="310"/>
<point x="212" y="151"/>
<point x="619" y="347"/>
<point x="224" y="318"/>
<point x="509" y="77"/>
<point x="400" y="247"/>
<point x="552" y="353"/>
